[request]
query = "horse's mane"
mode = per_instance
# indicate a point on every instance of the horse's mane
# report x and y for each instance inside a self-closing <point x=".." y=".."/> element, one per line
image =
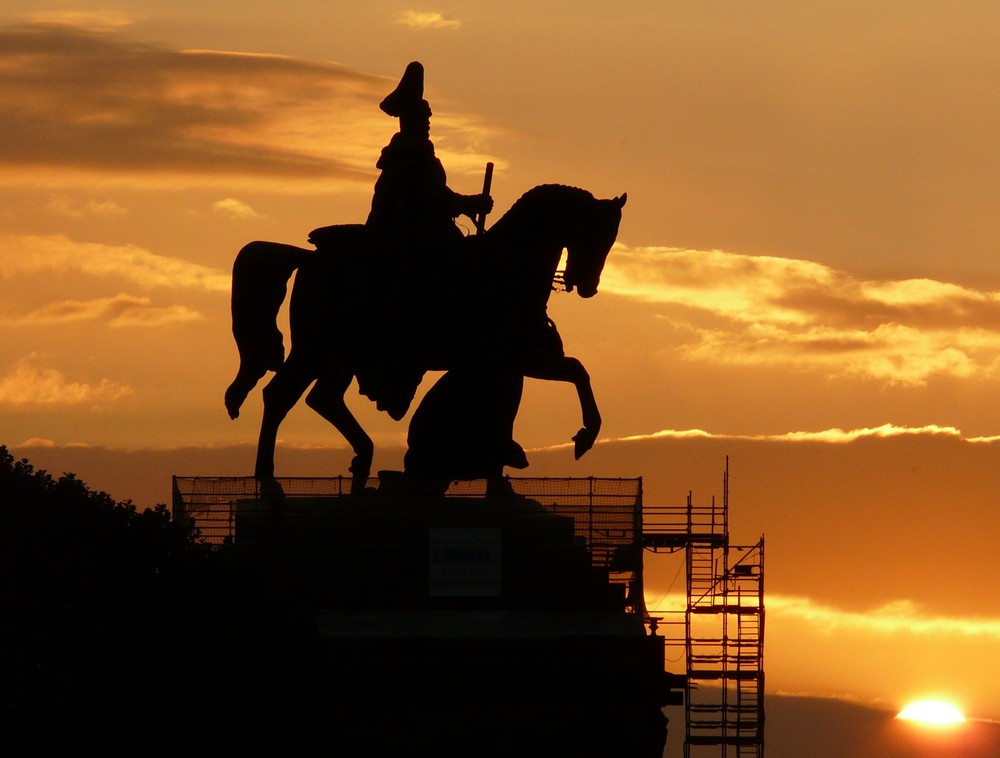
<point x="541" y="202"/>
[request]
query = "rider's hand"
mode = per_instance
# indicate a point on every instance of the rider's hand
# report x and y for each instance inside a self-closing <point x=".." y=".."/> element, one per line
<point x="479" y="204"/>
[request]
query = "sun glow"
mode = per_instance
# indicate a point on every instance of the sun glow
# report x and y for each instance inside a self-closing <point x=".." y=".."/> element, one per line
<point x="934" y="712"/>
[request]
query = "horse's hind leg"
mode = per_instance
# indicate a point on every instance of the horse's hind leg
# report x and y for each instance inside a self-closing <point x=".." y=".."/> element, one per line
<point x="327" y="399"/>
<point x="280" y="395"/>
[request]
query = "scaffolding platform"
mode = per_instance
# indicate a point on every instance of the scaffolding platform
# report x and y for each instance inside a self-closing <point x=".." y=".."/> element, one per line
<point x="723" y="627"/>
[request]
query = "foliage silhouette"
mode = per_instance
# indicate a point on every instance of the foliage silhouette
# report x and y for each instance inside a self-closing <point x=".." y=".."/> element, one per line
<point x="123" y="633"/>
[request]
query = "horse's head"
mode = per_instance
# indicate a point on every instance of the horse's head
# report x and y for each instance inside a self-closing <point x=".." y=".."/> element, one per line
<point x="589" y="250"/>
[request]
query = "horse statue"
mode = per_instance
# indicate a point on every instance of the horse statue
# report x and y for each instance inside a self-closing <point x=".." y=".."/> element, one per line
<point x="477" y="312"/>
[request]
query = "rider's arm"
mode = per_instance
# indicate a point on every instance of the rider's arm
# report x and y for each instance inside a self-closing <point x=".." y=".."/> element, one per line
<point x="470" y="205"/>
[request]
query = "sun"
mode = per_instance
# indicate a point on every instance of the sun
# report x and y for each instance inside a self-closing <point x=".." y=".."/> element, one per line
<point x="933" y="712"/>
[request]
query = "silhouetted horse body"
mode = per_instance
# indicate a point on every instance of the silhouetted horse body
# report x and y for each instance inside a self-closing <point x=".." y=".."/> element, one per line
<point x="480" y="309"/>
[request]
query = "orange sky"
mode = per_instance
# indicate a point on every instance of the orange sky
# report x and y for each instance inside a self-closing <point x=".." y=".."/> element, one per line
<point x="806" y="278"/>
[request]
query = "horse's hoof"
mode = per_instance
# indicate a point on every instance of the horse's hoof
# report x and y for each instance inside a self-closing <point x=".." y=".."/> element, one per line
<point x="270" y="488"/>
<point x="234" y="400"/>
<point x="583" y="441"/>
<point x="516" y="457"/>
<point x="500" y="487"/>
<point x="359" y="486"/>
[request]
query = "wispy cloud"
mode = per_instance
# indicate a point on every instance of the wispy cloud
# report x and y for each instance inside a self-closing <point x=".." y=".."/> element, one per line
<point x="886" y="430"/>
<point x="75" y="101"/>
<point x="835" y="436"/>
<point x="832" y="436"/>
<point x="94" y="20"/>
<point x="76" y="105"/>
<point x="776" y="311"/>
<point x="38" y="442"/>
<point x="234" y="208"/>
<point x="120" y="310"/>
<point x="894" y="618"/>
<point x="898" y="617"/>
<point x="27" y="384"/>
<point x="72" y="208"/>
<point x="22" y="254"/>
<point x="426" y="20"/>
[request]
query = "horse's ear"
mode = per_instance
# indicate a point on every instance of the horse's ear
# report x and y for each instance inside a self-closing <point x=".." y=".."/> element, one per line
<point x="620" y="200"/>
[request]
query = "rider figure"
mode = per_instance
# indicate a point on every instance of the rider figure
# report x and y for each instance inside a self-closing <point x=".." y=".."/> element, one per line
<point x="413" y="217"/>
<point x="413" y="231"/>
<point x="412" y="204"/>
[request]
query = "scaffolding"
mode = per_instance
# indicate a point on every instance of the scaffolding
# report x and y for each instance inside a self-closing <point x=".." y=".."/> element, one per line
<point x="722" y="631"/>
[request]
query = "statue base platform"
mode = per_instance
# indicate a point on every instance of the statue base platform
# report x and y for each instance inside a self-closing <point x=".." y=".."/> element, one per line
<point x="464" y="624"/>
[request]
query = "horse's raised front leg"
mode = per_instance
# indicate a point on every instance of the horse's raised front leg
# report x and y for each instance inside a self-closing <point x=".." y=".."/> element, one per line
<point x="280" y="395"/>
<point x="566" y="369"/>
<point x="327" y="399"/>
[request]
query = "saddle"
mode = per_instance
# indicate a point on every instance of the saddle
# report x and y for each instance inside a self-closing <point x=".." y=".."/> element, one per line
<point x="405" y="305"/>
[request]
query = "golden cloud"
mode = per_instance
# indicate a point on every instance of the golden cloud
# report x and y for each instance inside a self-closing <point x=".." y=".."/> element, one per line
<point x="67" y="206"/>
<point x="767" y="311"/>
<point x="20" y="254"/>
<point x="95" y="21"/>
<point x="79" y="107"/>
<point x="426" y="20"/>
<point x="95" y="103"/>
<point x="834" y="436"/>
<point x="30" y="385"/>
<point x="897" y="617"/>
<point x="901" y="616"/>
<point x="120" y="310"/>
<point x="38" y="442"/>
<point x="234" y="208"/>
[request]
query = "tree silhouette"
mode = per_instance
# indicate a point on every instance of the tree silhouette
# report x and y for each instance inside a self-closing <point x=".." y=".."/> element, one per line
<point x="122" y="632"/>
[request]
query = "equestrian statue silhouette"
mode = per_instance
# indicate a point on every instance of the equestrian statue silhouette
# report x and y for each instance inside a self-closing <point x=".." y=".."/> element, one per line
<point x="406" y="292"/>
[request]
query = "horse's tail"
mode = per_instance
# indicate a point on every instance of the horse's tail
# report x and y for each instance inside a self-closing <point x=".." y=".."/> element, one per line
<point x="260" y="282"/>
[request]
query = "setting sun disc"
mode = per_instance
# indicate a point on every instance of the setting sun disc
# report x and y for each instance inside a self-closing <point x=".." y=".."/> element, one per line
<point x="935" y="712"/>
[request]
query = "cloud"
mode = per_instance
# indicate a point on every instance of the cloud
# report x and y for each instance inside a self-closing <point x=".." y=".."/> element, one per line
<point x="754" y="288"/>
<point x="233" y="208"/>
<point x="896" y="617"/>
<point x="38" y="442"/>
<point x="426" y="20"/>
<point x="759" y="310"/>
<point x="832" y="436"/>
<point x="66" y="206"/>
<point x="886" y="430"/>
<point x="30" y="385"/>
<point x="835" y="436"/>
<point x="79" y="106"/>
<point x="75" y="103"/>
<point x="120" y="310"/>
<point x="94" y="21"/>
<point x="26" y="254"/>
